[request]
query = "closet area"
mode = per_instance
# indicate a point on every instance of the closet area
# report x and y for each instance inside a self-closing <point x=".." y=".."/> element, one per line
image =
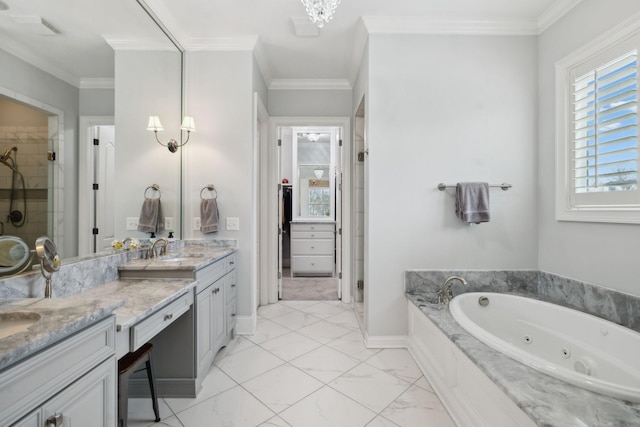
<point x="310" y="198"/>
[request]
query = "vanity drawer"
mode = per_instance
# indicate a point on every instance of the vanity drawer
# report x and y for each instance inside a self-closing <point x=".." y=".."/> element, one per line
<point x="312" y="264"/>
<point x="312" y="227"/>
<point x="210" y="274"/>
<point x="230" y="286"/>
<point x="312" y="234"/>
<point x="146" y="329"/>
<point x="230" y="262"/>
<point x="312" y="247"/>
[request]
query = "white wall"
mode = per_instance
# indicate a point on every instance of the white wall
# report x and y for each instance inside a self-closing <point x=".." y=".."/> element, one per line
<point x="310" y="103"/>
<point x="219" y="94"/>
<point x="603" y="254"/>
<point x="147" y="83"/>
<point x="446" y="109"/>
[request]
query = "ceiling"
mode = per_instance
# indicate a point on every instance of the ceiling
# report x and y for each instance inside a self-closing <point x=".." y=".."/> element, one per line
<point x="82" y="54"/>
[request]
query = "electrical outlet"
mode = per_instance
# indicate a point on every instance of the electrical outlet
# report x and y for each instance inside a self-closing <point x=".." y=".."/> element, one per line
<point x="132" y="223"/>
<point x="196" y="223"/>
<point x="233" y="223"/>
<point x="168" y="223"/>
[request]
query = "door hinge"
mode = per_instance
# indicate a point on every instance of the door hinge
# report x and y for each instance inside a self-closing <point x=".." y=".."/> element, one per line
<point x="51" y="155"/>
<point x="340" y="143"/>
<point x="279" y="143"/>
<point x="94" y="231"/>
<point x="279" y="275"/>
<point x="96" y="141"/>
<point x="279" y="231"/>
<point x="95" y="186"/>
<point x="340" y="231"/>
<point x="340" y="275"/>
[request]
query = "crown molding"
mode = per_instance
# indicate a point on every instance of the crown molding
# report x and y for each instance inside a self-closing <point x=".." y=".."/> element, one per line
<point x="556" y="11"/>
<point x="97" y="83"/>
<point x="136" y="44"/>
<point x="430" y="25"/>
<point x="21" y="52"/>
<point x="242" y="43"/>
<point x="310" y="84"/>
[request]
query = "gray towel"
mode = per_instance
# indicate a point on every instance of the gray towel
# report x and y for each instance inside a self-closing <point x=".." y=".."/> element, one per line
<point x="151" y="219"/>
<point x="208" y="216"/>
<point x="472" y="202"/>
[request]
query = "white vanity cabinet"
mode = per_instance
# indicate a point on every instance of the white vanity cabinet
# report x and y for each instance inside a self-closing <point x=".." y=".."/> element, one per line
<point x="72" y="383"/>
<point x="212" y="311"/>
<point x="312" y="248"/>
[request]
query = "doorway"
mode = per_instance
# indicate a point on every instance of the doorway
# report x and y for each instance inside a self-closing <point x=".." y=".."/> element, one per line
<point x="308" y="210"/>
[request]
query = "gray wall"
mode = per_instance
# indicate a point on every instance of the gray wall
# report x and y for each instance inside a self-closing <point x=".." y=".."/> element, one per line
<point x="97" y="102"/>
<point x="603" y="254"/>
<point x="309" y="103"/>
<point x="446" y="109"/>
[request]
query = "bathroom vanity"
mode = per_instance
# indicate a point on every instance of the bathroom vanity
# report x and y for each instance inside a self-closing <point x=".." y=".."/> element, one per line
<point x="64" y="365"/>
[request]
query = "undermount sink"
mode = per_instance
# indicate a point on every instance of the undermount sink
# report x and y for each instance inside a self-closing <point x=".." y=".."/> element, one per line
<point x="12" y="323"/>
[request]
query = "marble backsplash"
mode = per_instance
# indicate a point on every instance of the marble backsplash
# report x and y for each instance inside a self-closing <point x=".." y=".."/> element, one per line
<point x="620" y="308"/>
<point x="79" y="274"/>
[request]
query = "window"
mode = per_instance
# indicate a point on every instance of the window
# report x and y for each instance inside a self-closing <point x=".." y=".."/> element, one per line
<point x="597" y="130"/>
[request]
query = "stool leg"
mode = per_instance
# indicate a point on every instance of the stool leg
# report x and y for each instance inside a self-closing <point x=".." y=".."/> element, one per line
<point x="152" y="385"/>
<point x="123" y="399"/>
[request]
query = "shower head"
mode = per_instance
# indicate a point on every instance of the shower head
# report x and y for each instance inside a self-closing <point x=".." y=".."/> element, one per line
<point x="7" y="153"/>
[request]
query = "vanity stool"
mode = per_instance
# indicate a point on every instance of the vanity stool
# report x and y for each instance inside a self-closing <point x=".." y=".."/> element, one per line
<point x="126" y="366"/>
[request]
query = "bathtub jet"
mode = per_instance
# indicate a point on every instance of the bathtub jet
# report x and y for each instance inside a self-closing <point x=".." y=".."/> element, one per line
<point x="570" y="345"/>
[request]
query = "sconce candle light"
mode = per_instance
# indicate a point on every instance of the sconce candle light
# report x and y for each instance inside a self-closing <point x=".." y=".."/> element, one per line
<point x="173" y="145"/>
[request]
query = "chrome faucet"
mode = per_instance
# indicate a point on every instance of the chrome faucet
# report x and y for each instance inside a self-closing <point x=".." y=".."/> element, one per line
<point x="163" y="249"/>
<point x="445" y="295"/>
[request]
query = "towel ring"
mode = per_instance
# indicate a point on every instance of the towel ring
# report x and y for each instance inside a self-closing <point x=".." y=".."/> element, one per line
<point x="212" y="189"/>
<point x="154" y="187"/>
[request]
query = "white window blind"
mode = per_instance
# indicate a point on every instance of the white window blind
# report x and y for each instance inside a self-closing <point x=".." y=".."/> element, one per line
<point x="605" y="122"/>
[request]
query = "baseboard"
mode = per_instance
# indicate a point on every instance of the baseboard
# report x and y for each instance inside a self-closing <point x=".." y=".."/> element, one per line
<point x="388" y="341"/>
<point x="246" y="325"/>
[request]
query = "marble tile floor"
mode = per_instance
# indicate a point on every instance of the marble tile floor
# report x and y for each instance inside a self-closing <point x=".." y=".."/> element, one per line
<point x="305" y="366"/>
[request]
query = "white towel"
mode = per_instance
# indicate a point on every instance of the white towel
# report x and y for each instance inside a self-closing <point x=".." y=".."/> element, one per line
<point x="472" y="202"/>
<point x="151" y="219"/>
<point x="208" y="216"/>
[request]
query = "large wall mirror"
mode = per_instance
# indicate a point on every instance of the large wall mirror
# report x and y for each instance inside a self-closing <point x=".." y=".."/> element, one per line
<point x="58" y="66"/>
<point x="314" y="153"/>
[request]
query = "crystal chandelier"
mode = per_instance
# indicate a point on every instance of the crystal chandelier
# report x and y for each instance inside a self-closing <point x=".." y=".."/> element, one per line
<point x="320" y="11"/>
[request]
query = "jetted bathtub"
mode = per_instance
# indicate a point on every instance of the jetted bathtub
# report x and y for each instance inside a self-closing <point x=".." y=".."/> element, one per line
<point x="576" y="347"/>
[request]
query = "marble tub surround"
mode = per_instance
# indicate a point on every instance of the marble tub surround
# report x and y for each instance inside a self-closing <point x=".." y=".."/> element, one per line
<point x="59" y="318"/>
<point x="141" y="297"/>
<point x="605" y="303"/>
<point x="546" y="400"/>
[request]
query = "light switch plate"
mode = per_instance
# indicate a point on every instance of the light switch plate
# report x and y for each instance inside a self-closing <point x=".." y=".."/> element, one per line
<point x="233" y="224"/>
<point x="132" y="223"/>
<point x="196" y="223"/>
<point x="168" y="223"/>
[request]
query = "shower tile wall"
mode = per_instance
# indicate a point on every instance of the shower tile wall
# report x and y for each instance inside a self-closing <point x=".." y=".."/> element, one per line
<point x="32" y="144"/>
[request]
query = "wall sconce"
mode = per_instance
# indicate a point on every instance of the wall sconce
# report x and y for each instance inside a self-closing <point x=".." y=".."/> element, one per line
<point x="173" y="145"/>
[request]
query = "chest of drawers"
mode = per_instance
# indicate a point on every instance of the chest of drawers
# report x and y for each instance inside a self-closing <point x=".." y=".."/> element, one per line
<point x="312" y="249"/>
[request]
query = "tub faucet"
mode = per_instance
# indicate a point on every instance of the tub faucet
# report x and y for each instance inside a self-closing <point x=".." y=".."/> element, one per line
<point x="445" y="295"/>
<point x="163" y="249"/>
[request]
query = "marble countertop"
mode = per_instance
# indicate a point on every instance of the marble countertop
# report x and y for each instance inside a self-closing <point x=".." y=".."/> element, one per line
<point x="191" y="257"/>
<point x="547" y="400"/>
<point x="60" y="317"/>
<point x="142" y="297"/>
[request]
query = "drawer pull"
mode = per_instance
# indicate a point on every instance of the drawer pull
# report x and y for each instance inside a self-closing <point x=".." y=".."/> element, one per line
<point x="168" y="316"/>
<point x="55" y="420"/>
<point x="231" y="262"/>
<point x="233" y="315"/>
<point x="233" y="286"/>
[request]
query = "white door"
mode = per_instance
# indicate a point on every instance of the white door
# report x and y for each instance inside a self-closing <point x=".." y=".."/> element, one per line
<point x="280" y="213"/>
<point x="104" y="196"/>
<point x="338" y="188"/>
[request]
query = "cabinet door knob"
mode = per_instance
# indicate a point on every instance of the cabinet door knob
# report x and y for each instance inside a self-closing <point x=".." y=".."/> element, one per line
<point x="55" y="420"/>
<point x="168" y="316"/>
<point x="233" y="286"/>
<point x="233" y="315"/>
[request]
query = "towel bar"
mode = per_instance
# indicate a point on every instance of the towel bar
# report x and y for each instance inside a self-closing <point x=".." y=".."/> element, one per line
<point x="154" y="187"/>
<point x="212" y="189"/>
<point x="504" y="186"/>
